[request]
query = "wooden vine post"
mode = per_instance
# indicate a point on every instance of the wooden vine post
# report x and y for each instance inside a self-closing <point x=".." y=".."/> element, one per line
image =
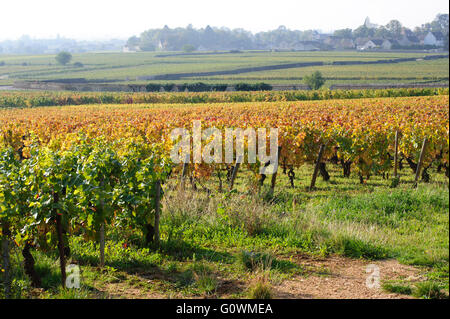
<point x="59" y="230"/>
<point x="274" y="175"/>
<point x="219" y="175"/>
<point x="396" y="154"/>
<point x="102" y="234"/>
<point x="316" y="167"/>
<point x="235" y="171"/>
<point x="419" y="165"/>
<point x="184" y="172"/>
<point x="291" y="175"/>
<point x="6" y="260"/>
<point x="261" y="180"/>
<point x="157" y="211"/>
<point x="102" y="245"/>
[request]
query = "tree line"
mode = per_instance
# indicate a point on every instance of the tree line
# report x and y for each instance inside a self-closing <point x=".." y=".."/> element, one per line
<point x="211" y="38"/>
<point x="395" y="30"/>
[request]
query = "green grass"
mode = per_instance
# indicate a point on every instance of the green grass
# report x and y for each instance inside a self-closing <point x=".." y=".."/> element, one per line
<point x="429" y="290"/>
<point x="205" y="281"/>
<point x="261" y="288"/>
<point x="384" y="73"/>
<point x="424" y="290"/>
<point x="397" y="288"/>
<point x="217" y="244"/>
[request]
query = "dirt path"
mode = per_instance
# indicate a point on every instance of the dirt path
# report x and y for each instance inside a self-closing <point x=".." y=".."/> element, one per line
<point x="344" y="278"/>
<point x="327" y="278"/>
<point x="124" y="291"/>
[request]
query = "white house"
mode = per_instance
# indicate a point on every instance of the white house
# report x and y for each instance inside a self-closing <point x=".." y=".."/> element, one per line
<point x="360" y="42"/>
<point x="127" y="49"/>
<point x="368" y="45"/>
<point x="376" y="44"/>
<point x="386" y="45"/>
<point x="162" y="45"/>
<point x="340" y="43"/>
<point x="434" y="38"/>
<point x="408" y="40"/>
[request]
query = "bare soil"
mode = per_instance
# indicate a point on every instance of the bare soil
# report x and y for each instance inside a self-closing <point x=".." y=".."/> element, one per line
<point x="327" y="278"/>
<point x="344" y="278"/>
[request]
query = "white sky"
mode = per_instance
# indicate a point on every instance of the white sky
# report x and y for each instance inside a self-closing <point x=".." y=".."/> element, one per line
<point x="99" y="19"/>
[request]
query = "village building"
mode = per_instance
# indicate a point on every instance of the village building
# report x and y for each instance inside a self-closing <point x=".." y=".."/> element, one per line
<point x="360" y="42"/>
<point x="369" y="24"/>
<point x="408" y="40"/>
<point x="306" y="46"/>
<point x="338" y="43"/>
<point x="130" y="49"/>
<point x="434" y="38"/>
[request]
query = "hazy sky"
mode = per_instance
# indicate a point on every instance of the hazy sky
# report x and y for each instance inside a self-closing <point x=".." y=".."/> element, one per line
<point x="95" y="19"/>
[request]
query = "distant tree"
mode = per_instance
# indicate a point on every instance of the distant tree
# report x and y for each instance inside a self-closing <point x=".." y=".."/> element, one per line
<point x="343" y="33"/>
<point x="395" y="28"/>
<point x="219" y="87"/>
<point x="147" y="46"/>
<point x="382" y="32"/>
<point x="314" y="81"/>
<point x="78" y="65"/>
<point x="214" y="39"/>
<point x="148" y="40"/>
<point x="243" y="87"/>
<point x="253" y="87"/>
<point x="168" y="87"/>
<point x="2" y="63"/>
<point x="133" y="42"/>
<point x="420" y="32"/>
<point x="210" y="37"/>
<point x="188" y="48"/>
<point x="63" y="57"/>
<point x="262" y="87"/>
<point x="440" y="23"/>
<point x="198" y="87"/>
<point x="152" y="87"/>
<point x="363" y="32"/>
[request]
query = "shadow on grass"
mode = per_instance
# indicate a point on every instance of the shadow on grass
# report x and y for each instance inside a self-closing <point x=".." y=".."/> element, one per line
<point x="48" y="270"/>
<point x="253" y="260"/>
<point x="129" y="258"/>
<point x="230" y="287"/>
<point x="355" y="248"/>
<point x="181" y="250"/>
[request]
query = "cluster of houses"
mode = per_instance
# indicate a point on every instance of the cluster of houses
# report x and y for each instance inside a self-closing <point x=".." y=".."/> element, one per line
<point x="407" y="40"/>
<point x="432" y="39"/>
<point x="286" y="40"/>
<point x="330" y="42"/>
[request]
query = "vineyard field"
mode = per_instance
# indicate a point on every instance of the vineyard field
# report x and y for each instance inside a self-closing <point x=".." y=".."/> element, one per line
<point x="224" y="161"/>
<point x="93" y="185"/>
<point x="142" y="66"/>
<point x="361" y="129"/>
